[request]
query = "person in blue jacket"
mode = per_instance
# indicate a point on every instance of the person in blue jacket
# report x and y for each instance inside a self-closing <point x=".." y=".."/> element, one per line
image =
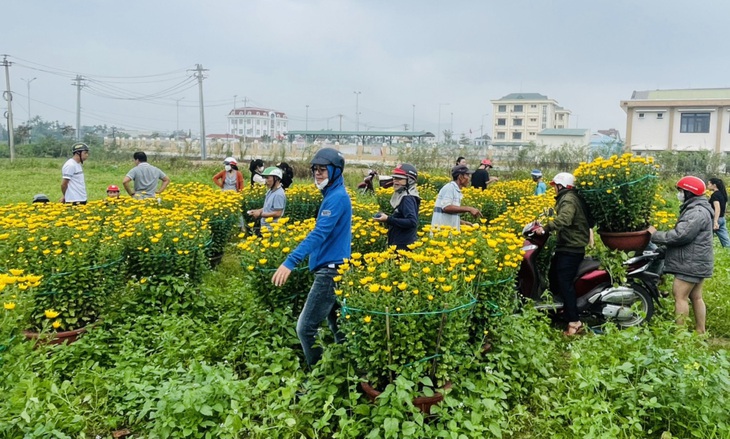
<point x="403" y="223"/>
<point x="327" y="246"/>
<point x="540" y="187"/>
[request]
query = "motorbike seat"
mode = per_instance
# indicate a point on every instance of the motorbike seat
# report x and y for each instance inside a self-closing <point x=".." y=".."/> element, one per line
<point x="588" y="264"/>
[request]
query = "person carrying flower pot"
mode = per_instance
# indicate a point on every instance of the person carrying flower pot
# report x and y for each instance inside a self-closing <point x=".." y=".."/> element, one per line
<point x="573" y="235"/>
<point x="403" y="223"/>
<point x="689" y="253"/>
<point x="327" y="246"/>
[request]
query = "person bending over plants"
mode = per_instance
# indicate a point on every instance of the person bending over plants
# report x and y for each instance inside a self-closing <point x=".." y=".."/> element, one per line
<point x="328" y="245"/>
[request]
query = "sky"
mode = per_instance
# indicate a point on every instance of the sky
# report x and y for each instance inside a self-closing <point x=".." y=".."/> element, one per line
<point x="436" y="62"/>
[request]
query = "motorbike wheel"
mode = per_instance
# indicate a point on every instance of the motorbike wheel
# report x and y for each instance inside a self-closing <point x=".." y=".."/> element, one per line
<point x="642" y="308"/>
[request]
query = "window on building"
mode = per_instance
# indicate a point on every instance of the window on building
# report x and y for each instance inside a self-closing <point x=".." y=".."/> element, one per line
<point x="532" y="133"/>
<point x="641" y="115"/>
<point x="517" y="108"/>
<point x="533" y="106"/>
<point x="500" y="134"/>
<point x="517" y="122"/>
<point x="660" y="115"/>
<point x="534" y="119"/>
<point x="517" y="136"/>
<point x="501" y="122"/>
<point x="695" y="123"/>
<point x="501" y="108"/>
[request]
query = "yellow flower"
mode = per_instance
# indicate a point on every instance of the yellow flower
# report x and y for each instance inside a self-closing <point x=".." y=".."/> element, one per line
<point x="367" y="319"/>
<point x="405" y="267"/>
<point x="338" y="292"/>
<point x="402" y="286"/>
<point x="263" y="261"/>
<point x="56" y="324"/>
<point x="446" y="288"/>
<point x="16" y="272"/>
<point x="10" y="305"/>
<point x="51" y="314"/>
<point x="430" y="297"/>
<point x="374" y="288"/>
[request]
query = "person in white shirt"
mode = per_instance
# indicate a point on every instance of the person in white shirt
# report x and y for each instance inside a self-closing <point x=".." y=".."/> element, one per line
<point x="73" y="184"/>
<point x="448" y="203"/>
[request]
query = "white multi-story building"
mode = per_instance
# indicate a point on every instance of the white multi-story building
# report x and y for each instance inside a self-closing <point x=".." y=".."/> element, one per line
<point x="254" y="123"/>
<point x="519" y="117"/>
<point x="678" y="120"/>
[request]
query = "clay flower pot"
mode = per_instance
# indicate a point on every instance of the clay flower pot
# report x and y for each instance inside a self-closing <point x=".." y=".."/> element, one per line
<point x="626" y="241"/>
<point x="55" y="337"/>
<point x="424" y="403"/>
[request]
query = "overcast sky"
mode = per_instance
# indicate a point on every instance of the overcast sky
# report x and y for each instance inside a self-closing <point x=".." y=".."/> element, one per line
<point x="287" y="54"/>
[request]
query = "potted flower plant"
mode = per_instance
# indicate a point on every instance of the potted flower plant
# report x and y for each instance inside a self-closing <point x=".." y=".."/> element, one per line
<point x="619" y="192"/>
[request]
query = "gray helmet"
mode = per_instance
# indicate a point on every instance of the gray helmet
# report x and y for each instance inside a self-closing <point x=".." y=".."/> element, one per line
<point x="79" y="147"/>
<point x="406" y="170"/>
<point x="329" y="156"/>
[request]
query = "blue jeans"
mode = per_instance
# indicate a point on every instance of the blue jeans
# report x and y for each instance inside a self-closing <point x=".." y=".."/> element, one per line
<point x="722" y="232"/>
<point x="563" y="269"/>
<point x="321" y="304"/>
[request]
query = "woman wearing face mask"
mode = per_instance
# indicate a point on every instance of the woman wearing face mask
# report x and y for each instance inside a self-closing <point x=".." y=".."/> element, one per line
<point x="257" y="167"/>
<point x="230" y="178"/>
<point x="689" y="250"/>
<point x="403" y="223"/>
<point x="718" y="201"/>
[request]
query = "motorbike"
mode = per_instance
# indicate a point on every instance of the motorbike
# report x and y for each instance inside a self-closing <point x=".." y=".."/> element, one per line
<point x="629" y="304"/>
<point x="367" y="185"/>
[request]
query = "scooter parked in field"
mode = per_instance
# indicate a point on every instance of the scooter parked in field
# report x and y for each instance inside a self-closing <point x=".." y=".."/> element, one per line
<point x="368" y="185"/>
<point x="630" y="304"/>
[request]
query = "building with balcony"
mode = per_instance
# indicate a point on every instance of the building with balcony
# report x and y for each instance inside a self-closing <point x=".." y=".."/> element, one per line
<point x="254" y="123"/>
<point x="678" y="120"/>
<point x="519" y="117"/>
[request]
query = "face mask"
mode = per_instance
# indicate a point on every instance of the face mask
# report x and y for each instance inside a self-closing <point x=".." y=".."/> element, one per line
<point x="680" y="196"/>
<point x="322" y="185"/>
<point x="228" y="167"/>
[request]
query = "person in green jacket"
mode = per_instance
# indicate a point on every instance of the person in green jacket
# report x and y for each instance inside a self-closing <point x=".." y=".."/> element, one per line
<point x="573" y="235"/>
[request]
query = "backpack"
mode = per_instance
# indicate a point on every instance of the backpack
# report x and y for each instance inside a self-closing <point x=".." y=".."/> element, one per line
<point x="586" y="210"/>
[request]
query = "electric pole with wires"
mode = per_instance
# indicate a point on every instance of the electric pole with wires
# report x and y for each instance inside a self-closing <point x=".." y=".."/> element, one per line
<point x="8" y="96"/>
<point x="79" y="84"/>
<point x="199" y="74"/>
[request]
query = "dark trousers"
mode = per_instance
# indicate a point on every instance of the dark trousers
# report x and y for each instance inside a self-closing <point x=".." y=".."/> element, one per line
<point x="563" y="269"/>
<point x="321" y="304"/>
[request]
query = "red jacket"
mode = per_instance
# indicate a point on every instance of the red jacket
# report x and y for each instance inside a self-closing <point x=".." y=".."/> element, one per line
<point x="220" y="177"/>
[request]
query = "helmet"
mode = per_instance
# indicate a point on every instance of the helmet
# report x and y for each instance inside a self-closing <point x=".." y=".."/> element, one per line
<point x="405" y="170"/>
<point x="329" y="156"/>
<point x="41" y="198"/>
<point x="78" y="147"/>
<point x="272" y="171"/>
<point x="112" y="188"/>
<point x="692" y="184"/>
<point x="564" y="178"/>
<point x="230" y="161"/>
<point x="536" y="173"/>
<point x="487" y="162"/>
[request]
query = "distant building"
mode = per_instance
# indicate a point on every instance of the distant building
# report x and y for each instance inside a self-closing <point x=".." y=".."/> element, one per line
<point x="678" y="120"/>
<point x="556" y="137"/>
<point x="254" y="123"/>
<point x="519" y="117"/>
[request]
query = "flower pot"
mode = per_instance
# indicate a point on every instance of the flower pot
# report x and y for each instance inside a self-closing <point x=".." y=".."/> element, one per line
<point x="626" y="241"/>
<point x="423" y="403"/>
<point x="55" y="337"/>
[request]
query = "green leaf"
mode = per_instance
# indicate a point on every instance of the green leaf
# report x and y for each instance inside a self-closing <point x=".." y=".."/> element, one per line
<point x="206" y="410"/>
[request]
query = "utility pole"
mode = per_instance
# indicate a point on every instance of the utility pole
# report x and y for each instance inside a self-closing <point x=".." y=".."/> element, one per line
<point x="340" y="121"/>
<point x="245" y="125"/>
<point x="306" y="119"/>
<point x="357" y="110"/>
<point x="79" y="84"/>
<point x="413" y="121"/>
<point x="438" y="133"/>
<point x="199" y="74"/>
<point x="27" y="82"/>
<point x="8" y="95"/>
<point x="177" y="114"/>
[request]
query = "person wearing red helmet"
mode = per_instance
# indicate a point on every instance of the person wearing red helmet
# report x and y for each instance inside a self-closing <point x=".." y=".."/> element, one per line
<point x="480" y="178"/>
<point x="689" y="255"/>
<point x="112" y="191"/>
<point x="403" y="222"/>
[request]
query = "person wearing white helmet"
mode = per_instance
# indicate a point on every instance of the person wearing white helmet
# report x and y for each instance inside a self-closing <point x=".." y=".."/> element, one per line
<point x="541" y="187"/>
<point x="230" y="178"/>
<point x="275" y="201"/>
<point x="73" y="184"/>
<point x="573" y="235"/>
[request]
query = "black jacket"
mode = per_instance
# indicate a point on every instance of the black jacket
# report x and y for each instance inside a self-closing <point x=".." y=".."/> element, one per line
<point x="403" y="223"/>
<point x="480" y="178"/>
